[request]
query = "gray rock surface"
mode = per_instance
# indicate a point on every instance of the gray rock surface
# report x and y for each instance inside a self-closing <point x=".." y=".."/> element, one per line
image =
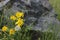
<point x="3" y="3"/>
<point x="38" y="12"/>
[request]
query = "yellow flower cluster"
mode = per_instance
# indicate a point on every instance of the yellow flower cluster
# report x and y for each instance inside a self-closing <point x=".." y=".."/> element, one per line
<point x="18" y="21"/>
<point x="5" y="28"/>
<point x="18" y="16"/>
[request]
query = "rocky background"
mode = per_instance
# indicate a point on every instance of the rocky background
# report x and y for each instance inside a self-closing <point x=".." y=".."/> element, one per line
<point x="38" y="13"/>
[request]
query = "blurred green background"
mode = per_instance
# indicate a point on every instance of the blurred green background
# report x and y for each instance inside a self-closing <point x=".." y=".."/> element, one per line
<point x="56" y="6"/>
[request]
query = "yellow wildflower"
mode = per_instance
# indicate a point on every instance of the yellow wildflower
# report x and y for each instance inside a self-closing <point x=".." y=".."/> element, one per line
<point x="4" y="28"/>
<point x="20" y="22"/>
<point x="20" y="19"/>
<point x="12" y="31"/>
<point x="19" y="14"/>
<point x="13" y="17"/>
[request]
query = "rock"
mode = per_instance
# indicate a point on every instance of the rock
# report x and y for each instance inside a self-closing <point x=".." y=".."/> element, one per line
<point x="38" y="12"/>
<point x="3" y="3"/>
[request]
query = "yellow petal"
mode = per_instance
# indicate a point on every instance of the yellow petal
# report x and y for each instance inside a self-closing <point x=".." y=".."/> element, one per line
<point x="4" y="28"/>
<point x="13" y="17"/>
<point x="12" y="31"/>
<point x="19" y="14"/>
